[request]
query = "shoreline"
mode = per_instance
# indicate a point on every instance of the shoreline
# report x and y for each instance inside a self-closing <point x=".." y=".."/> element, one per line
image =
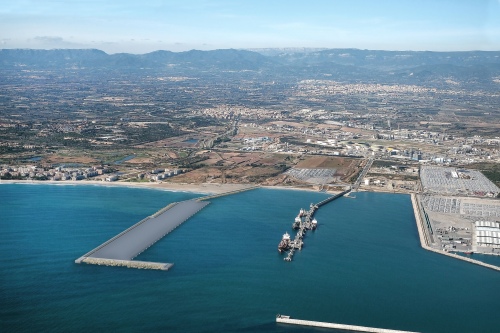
<point x="202" y="188"/>
<point x="215" y="189"/>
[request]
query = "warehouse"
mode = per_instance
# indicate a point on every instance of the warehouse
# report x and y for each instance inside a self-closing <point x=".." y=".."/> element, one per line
<point x="487" y="233"/>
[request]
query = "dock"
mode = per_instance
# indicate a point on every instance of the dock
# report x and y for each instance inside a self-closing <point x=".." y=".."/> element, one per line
<point x="287" y="320"/>
<point x="128" y="244"/>
<point x="425" y="235"/>
<point x="305" y="222"/>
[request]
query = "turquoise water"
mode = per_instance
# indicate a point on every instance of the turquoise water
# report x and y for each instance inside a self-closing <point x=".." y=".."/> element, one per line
<point x="363" y="266"/>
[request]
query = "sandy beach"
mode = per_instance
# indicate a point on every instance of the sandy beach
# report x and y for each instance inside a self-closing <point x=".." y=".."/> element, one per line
<point x="205" y="188"/>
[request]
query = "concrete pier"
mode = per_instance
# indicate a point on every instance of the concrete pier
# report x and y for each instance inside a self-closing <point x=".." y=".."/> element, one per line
<point x="288" y="320"/>
<point x="424" y="234"/>
<point x="121" y="249"/>
<point x="306" y="223"/>
<point x="128" y="244"/>
<point x="336" y="196"/>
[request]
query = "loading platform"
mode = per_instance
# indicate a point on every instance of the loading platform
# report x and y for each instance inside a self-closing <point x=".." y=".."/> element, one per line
<point x="305" y="222"/>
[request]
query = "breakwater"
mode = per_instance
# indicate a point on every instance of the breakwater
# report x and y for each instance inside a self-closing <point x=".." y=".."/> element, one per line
<point x="128" y="263"/>
<point x="288" y="320"/>
<point x="425" y="236"/>
<point x="128" y="244"/>
<point x="122" y="248"/>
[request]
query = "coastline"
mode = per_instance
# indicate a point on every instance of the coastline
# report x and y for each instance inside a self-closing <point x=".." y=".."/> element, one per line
<point x="214" y="189"/>
<point x="202" y="188"/>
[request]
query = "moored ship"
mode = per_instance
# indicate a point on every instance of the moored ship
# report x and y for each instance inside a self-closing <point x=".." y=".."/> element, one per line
<point x="284" y="243"/>
<point x="296" y="223"/>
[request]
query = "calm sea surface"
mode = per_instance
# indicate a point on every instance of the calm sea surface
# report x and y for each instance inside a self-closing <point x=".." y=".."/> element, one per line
<point x="362" y="266"/>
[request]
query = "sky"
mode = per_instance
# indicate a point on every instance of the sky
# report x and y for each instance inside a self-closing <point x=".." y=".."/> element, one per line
<point x="142" y="26"/>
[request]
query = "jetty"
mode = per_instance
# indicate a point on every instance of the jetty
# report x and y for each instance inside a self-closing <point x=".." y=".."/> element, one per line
<point x="287" y="320"/>
<point x="304" y="222"/>
<point x="128" y="244"/>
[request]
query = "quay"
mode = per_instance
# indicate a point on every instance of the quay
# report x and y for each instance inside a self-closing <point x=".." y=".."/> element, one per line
<point x="287" y="320"/>
<point x="425" y="235"/>
<point x="305" y="223"/>
<point x="128" y="244"/>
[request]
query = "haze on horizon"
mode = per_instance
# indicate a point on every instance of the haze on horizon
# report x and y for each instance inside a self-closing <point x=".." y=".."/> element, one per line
<point x="143" y="26"/>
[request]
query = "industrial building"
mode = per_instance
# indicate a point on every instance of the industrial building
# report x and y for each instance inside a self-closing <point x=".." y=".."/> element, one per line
<point x="487" y="233"/>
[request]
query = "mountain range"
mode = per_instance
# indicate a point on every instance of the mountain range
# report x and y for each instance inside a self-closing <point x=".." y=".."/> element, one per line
<point x="476" y="69"/>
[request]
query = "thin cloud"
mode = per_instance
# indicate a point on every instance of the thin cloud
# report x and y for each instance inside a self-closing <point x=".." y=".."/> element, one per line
<point x="49" y="39"/>
<point x="53" y="42"/>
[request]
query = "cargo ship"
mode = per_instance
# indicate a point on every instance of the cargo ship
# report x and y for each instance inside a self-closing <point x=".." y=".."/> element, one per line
<point x="284" y="243"/>
<point x="296" y="224"/>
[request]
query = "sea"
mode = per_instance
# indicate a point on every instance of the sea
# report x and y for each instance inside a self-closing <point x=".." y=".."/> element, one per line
<point x="362" y="266"/>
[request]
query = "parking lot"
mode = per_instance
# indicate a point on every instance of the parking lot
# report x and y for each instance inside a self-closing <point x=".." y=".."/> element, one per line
<point x="453" y="181"/>
<point x="313" y="176"/>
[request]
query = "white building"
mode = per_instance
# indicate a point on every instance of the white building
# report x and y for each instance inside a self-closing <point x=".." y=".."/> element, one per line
<point x="112" y="178"/>
<point x="487" y="233"/>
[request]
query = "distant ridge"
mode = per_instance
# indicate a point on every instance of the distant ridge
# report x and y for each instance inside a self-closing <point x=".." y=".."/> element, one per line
<point x="64" y="58"/>
<point x="477" y="69"/>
